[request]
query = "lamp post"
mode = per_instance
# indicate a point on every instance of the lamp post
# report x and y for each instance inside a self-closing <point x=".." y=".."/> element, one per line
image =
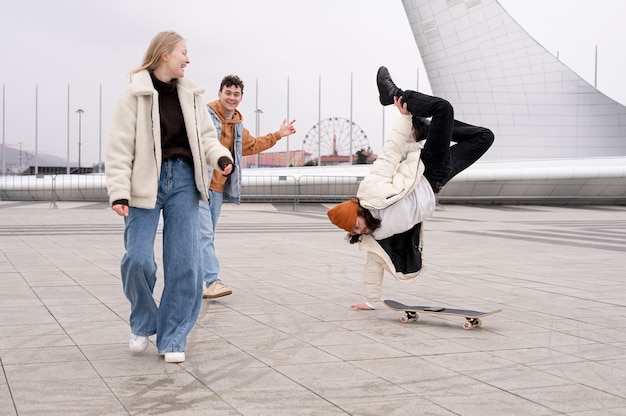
<point x="258" y="112"/>
<point x="80" y="112"/>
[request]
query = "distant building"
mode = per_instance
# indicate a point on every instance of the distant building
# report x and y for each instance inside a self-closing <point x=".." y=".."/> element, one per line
<point x="362" y="157"/>
<point x="17" y="161"/>
<point x="302" y="158"/>
<point x="276" y="159"/>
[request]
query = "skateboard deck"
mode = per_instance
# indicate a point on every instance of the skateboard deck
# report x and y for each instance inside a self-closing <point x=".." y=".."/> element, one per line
<point x="472" y="318"/>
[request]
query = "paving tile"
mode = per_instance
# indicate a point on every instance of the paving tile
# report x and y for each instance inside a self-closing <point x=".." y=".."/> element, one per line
<point x="601" y="376"/>
<point x="53" y="372"/>
<point x="42" y="355"/>
<point x="572" y="398"/>
<point x="363" y="351"/>
<point x="265" y="391"/>
<point x="492" y="404"/>
<point x="397" y="408"/>
<point x="172" y="393"/>
<point x="73" y="397"/>
<point x="516" y="377"/>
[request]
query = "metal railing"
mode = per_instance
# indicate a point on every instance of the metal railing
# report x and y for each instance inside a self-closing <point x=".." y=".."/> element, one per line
<point x="53" y="188"/>
<point x="305" y="188"/>
<point x="563" y="181"/>
<point x="258" y="188"/>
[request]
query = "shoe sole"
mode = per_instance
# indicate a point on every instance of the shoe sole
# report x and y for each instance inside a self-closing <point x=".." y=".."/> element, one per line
<point x="230" y="292"/>
<point x="175" y="358"/>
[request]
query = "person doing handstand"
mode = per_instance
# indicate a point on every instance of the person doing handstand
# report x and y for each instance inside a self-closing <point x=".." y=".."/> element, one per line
<point x="398" y="194"/>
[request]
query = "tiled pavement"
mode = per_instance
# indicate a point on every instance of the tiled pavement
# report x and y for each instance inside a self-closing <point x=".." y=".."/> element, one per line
<point x="286" y="341"/>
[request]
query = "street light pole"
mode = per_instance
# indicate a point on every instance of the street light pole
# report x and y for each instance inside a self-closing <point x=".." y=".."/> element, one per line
<point x="258" y="112"/>
<point x="80" y="112"/>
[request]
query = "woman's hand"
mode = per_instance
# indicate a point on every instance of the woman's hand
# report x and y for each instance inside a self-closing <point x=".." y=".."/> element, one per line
<point x="361" y="307"/>
<point x="228" y="169"/>
<point x="120" y="209"/>
<point x="397" y="101"/>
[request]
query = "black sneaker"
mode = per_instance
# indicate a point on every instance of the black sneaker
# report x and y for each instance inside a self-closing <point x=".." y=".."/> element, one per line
<point x="386" y="88"/>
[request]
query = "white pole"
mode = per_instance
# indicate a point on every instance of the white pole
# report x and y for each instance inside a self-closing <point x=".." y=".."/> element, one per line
<point x="288" y="157"/>
<point x="4" y="166"/>
<point x="595" y="81"/>
<point x="100" y="132"/>
<point x="351" y="124"/>
<point x="418" y="80"/>
<point x="257" y="117"/>
<point x="36" y="129"/>
<point x="319" y="123"/>
<point x="68" y="129"/>
<point x="80" y="112"/>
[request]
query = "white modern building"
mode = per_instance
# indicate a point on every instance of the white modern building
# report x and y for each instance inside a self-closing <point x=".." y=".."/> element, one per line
<point x="557" y="137"/>
<point x="496" y="75"/>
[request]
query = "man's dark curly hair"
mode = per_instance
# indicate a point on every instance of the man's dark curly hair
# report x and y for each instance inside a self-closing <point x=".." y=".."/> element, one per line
<point x="231" y="80"/>
<point x="371" y="222"/>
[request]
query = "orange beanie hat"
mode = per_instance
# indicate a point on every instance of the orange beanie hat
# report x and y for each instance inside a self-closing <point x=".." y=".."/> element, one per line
<point x="344" y="215"/>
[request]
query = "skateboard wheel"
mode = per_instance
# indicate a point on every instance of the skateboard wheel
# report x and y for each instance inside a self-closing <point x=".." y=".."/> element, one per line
<point x="410" y="316"/>
<point x="472" y="323"/>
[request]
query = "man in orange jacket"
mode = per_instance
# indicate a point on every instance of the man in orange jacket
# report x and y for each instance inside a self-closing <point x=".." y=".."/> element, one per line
<point x="235" y="137"/>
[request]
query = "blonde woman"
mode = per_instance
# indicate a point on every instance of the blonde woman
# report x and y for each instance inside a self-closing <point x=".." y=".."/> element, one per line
<point x="161" y="142"/>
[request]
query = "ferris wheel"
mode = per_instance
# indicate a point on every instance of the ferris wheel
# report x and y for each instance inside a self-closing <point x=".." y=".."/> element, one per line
<point x="332" y="136"/>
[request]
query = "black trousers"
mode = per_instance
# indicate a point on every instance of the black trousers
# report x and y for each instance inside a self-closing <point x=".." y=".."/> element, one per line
<point x="441" y="161"/>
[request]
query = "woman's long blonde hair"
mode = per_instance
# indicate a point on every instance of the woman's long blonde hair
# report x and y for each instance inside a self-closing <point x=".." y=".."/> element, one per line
<point x="161" y="44"/>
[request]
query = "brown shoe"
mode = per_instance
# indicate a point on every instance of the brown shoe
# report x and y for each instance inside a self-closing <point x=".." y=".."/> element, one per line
<point x="216" y="290"/>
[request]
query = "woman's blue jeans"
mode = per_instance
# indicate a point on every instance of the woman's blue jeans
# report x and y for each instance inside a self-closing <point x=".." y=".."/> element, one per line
<point x="441" y="161"/>
<point x="175" y="315"/>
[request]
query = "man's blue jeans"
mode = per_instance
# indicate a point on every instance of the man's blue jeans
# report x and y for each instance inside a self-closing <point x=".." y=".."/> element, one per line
<point x="209" y="214"/>
<point x="174" y="317"/>
<point x="441" y="161"/>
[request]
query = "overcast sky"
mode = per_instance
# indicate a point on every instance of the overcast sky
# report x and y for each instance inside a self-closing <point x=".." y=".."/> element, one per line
<point x="88" y="45"/>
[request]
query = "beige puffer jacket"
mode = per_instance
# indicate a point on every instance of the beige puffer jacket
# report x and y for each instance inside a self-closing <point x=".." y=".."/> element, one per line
<point x="388" y="181"/>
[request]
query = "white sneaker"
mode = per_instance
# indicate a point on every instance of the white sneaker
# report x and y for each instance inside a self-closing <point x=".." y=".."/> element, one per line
<point x="138" y="344"/>
<point x="174" y="357"/>
<point x="216" y="290"/>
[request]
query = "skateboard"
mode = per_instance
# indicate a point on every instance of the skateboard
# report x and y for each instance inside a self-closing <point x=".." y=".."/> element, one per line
<point x="472" y="318"/>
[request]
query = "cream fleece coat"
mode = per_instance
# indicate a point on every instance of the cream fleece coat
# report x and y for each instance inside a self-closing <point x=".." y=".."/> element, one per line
<point x="133" y="150"/>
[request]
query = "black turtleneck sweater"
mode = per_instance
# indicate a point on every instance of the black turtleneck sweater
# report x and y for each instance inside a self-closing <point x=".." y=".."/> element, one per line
<point x="174" y="141"/>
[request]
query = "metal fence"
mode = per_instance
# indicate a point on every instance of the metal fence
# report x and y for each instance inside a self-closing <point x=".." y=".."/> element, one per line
<point x="257" y="188"/>
<point x="592" y="181"/>
<point x="305" y="188"/>
<point x="53" y="188"/>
